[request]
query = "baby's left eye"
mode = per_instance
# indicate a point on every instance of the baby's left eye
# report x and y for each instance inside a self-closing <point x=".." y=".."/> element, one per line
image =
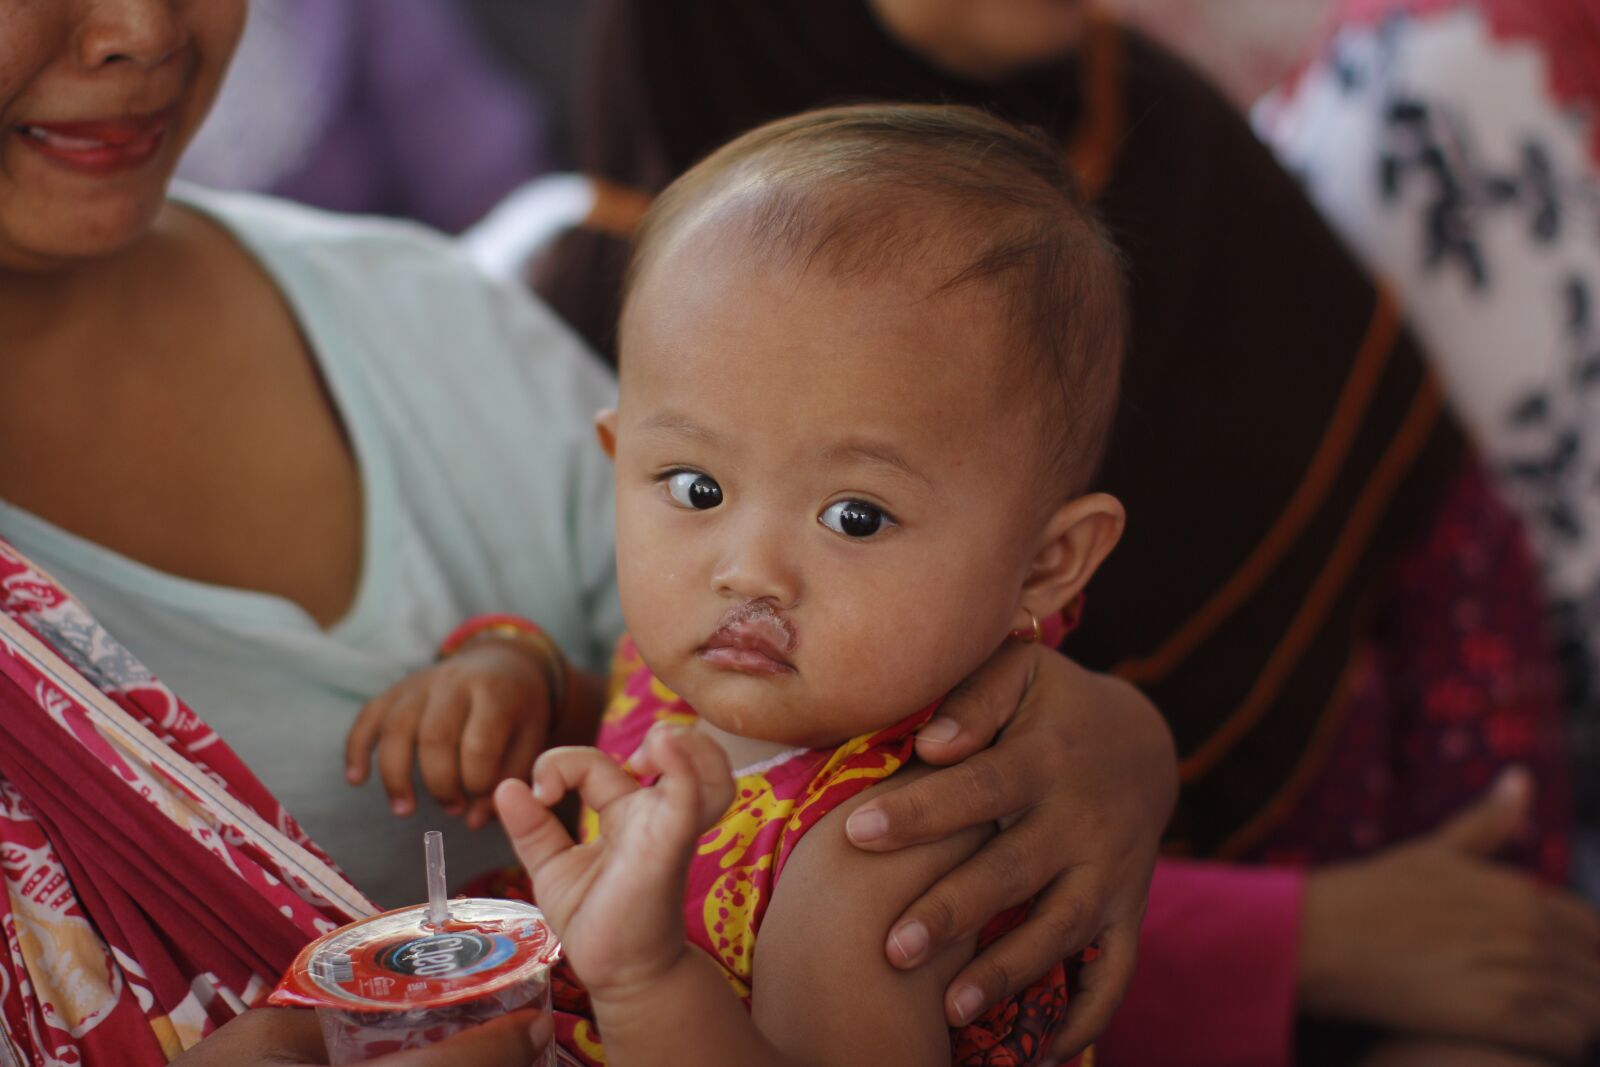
<point x="855" y="518"/>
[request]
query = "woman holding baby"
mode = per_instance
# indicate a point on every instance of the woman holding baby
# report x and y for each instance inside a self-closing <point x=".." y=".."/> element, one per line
<point x="318" y="445"/>
<point x="280" y="456"/>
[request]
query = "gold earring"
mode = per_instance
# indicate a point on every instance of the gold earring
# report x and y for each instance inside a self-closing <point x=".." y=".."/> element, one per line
<point x="1030" y="637"/>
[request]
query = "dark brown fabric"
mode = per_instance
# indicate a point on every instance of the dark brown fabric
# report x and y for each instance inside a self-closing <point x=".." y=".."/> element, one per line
<point x="1279" y="437"/>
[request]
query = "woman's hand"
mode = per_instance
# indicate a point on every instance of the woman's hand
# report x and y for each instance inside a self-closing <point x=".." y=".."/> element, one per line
<point x="288" y="1037"/>
<point x="1430" y="1053"/>
<point x="1433" y="938"/>
<point x="468" y="722"/>
<point x="1082" y="776"/>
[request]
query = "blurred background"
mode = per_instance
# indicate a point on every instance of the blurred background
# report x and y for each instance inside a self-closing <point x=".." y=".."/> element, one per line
<point x="340" y="105"/>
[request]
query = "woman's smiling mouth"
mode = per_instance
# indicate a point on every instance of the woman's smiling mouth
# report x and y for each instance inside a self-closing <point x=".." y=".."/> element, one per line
<point x="101" y="146"/>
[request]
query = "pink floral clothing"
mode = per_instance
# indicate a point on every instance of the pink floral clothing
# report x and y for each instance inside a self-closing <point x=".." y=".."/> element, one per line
<point x="153" y="888"/>
<point x="736" y="868"/>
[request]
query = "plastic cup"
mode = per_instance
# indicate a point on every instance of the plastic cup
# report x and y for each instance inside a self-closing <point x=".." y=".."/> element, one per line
<point x="397" y="981"/>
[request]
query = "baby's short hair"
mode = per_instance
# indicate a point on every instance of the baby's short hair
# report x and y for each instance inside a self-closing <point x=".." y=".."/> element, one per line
<point x="876" y="189"/>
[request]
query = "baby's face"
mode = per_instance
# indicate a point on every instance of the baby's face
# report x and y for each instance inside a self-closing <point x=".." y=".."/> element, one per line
<point x="826" y="490"/>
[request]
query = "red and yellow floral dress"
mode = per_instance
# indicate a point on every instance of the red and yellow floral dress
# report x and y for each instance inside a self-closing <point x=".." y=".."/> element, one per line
<point x="738" y="862"/>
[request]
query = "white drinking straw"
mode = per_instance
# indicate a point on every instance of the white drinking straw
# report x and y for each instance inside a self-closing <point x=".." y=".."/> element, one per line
<point x="438" y="906"/>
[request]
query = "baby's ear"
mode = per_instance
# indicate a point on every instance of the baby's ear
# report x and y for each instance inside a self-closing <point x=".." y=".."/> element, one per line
<point x="605" y="429"/>
<point x="1076" y="540"/>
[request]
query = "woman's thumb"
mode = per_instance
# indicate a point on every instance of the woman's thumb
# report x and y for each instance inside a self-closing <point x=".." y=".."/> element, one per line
<point x="1495" y="819"/>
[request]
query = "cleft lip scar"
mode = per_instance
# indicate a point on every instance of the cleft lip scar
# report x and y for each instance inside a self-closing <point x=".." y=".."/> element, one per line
<point x="756" y="629"/>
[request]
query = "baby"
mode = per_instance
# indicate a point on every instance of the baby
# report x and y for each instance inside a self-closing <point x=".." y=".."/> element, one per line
<point x="869" y="363"/>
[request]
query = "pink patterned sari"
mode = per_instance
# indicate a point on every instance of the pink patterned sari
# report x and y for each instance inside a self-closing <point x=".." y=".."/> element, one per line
<point x="153" y="888"/>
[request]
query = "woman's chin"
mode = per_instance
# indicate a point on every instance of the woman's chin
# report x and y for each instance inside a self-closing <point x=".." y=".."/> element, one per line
<point x="60" y="231"/>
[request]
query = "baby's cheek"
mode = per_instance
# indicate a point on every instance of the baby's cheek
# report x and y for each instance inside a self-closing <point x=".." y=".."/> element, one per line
<point x="652" y="592"/>
<point x="884" y="671"/>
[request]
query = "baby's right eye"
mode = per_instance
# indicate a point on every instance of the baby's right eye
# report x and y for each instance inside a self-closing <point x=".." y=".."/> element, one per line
<point x="691" y="489"/>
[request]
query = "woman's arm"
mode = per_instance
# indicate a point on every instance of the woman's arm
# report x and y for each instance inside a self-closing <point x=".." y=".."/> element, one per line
<point x="1437" y="938"/>
<point x="1080" y="770"/>
<point x="1430" y="937"/>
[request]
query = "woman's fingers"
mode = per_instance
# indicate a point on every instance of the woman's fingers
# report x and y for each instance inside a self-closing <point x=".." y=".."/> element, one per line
<point x="1552" y="1018"/>
<point x="1100" y="986"/>
<point x="1573" y="922"/>
<point x="444" y="716"/>
<point x="1434" y="1052"/>
<point x="978" y="708"/>
<point x="1063" y="921"/>
<point x="1007" y="871"/>
<point x="985" y="788"/>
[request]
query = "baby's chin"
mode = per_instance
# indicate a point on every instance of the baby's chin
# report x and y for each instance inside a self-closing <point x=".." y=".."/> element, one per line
<point x="782" y="711"/>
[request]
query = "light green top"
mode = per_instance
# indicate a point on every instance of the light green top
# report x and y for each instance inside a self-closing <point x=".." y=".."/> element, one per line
<point x="470" y="409"/>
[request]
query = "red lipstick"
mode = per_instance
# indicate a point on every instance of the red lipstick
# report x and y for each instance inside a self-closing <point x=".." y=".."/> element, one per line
<point x="101" y="146"/>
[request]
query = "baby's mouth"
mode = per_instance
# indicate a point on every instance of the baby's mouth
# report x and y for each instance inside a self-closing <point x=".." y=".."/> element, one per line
<point x="753" y="639"/>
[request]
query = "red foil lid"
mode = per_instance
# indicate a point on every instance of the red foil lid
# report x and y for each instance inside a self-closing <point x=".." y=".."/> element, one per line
<point x="398" y="962"/>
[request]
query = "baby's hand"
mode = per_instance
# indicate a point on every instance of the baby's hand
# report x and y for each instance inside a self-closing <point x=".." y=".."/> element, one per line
<point x="617" y="902"/>
<point x="470" y="721"/>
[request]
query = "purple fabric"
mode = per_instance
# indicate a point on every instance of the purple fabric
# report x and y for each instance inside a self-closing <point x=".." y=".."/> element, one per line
<point x="397" y="107"/>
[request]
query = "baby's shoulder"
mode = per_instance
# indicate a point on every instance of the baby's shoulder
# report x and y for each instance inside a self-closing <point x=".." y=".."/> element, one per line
<point x="826" y="858"/>
<point x="821" y="977"/>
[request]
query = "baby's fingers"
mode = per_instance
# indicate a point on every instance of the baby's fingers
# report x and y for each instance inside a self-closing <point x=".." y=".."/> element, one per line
<point x="397" y="747"/>
<point x="595" y="776"/>
<point x="695" y="775"/>
<point x="363" y="737"/>
<point x="480" y="812"/>
<point x="535" y="833"/>
<point x="439" y="741"/>
<point x="491" y="738"/>
<point x="517" y="762"/>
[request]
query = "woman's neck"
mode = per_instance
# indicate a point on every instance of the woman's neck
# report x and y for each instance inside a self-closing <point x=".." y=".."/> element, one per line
<point x="88" y="307"/>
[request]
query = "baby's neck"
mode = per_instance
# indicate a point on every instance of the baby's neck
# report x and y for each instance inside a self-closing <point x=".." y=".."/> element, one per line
<point x="742" y="752"/>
